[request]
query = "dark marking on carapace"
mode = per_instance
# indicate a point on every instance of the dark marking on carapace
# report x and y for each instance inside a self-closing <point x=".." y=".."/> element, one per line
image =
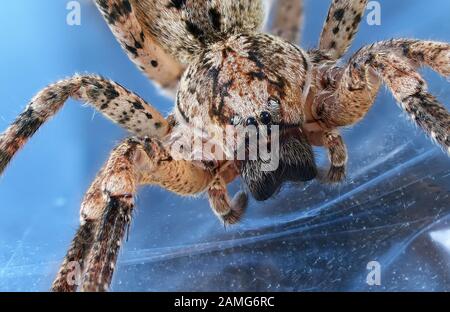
<point x="177" y="4"/>
<point x="216" y="19"/>
<point x="183" y="114"/>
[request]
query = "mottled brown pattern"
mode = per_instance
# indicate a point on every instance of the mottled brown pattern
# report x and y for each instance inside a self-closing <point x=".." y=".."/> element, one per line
<point x="394" y="63"/>
<point x="240" y="76"/>
<point x="107" y="241"/>
<point x="228" y="73"/>
<point x="229" y="211"/>
<point x="140" y="45"/>
<point x="185" y="28"/>
<point x="288" y="19"/>
<point x="77" y="253"/>
<point x="337" y="154"/>
<point x="109" y="98"/>
<point x="341" y="26"/>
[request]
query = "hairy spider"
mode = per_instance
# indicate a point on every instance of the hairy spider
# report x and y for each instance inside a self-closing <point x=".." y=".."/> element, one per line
<point x="227" y="71"/>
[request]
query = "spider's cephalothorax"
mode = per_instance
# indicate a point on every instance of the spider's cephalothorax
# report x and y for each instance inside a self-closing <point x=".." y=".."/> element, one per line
<point x="227" y="72"/>
<point x="252" y="79"/>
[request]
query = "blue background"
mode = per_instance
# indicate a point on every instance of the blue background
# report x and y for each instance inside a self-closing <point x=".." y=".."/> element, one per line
<point x="394" y="208"/>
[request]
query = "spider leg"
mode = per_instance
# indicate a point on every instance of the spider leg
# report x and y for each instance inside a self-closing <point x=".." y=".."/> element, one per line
<point x="108" y="239"/>
<point x="336" y="148"/>
<point x="141" y="47"/>
<point x="393" y="63"/>
<point x="337" y="154"/>
<point x="109" y="98"/>
<point x="108" y="205"/>
<point x="118" y="183"/>
<point x="66" y="280"/>
<point x="341" y="26"/>
<point x="288" y="19"/>
<point x="228" y="211"/>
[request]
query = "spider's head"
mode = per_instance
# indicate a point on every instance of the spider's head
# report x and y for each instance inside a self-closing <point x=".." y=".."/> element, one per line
<point x="252" y="80"/>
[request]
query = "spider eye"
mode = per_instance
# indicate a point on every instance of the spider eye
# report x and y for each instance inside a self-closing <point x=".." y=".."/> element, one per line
<point x="251" y="121"/>
<point x="234" y="121"/>
<point x="266" y="118"/>
<point x="274" y="103"/>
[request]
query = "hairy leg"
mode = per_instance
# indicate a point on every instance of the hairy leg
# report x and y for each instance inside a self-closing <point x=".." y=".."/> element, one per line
<point x="334" y="143"/>
<point x="68" y="275"/>
<point x="229" y="211"/>
<point x="108" y="239"/>
<point x="142" y="48"/>
<point x="118" y="183"/>
<point x="393" y="63"/>
<point x="420" y="53"/>
<point x="337" y="154"/>
<point x="341" y="26"/>
<point x="108" y="205"/>
<point x="288" y="19"/>
<point x="112" y="100"/>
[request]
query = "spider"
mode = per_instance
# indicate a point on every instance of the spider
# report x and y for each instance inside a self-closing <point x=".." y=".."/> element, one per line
<point x="226" y="71"/>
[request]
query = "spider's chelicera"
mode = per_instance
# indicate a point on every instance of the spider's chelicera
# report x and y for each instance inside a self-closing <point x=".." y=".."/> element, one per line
<point x="227" y="74"/>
